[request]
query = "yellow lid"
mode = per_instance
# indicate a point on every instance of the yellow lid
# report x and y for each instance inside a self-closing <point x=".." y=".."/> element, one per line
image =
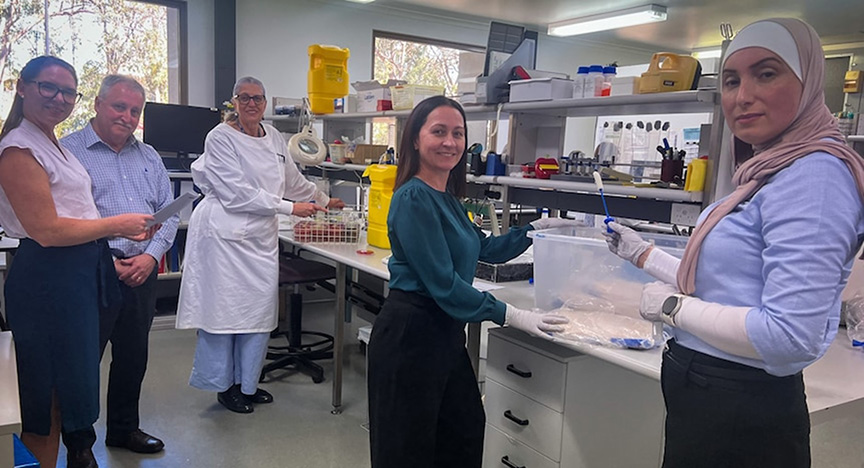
<point x="381" y="173"/>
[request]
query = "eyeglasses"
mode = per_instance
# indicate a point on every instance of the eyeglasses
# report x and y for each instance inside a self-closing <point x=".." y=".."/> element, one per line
<point x="245" y="98"/>
<point x="50" y="90"/>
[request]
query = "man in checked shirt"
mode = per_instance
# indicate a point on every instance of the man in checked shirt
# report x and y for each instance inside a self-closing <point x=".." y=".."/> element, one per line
<point x="128" y="177"/>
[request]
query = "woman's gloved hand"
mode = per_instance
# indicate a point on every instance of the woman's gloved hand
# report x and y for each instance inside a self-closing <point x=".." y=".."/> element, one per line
<point x="653" y="296"/>
<point x="626" y="243"/>
<point x="534" y="323"/>
<point x="549" y="223"/>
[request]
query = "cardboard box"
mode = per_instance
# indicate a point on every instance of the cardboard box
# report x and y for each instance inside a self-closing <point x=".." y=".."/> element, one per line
<point x="370" y="92"/>
<point x="363" y="152"/>
<point x="540" y="89"/>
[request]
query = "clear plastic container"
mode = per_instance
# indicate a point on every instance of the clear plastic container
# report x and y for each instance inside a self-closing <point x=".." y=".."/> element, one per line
<point x="575" y="264"/>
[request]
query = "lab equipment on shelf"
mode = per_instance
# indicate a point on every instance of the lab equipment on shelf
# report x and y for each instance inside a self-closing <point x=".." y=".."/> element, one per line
<point x="327" y="77"/>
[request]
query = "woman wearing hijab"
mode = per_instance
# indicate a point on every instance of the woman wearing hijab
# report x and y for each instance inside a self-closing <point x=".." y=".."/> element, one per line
<point x="757" y="294"/>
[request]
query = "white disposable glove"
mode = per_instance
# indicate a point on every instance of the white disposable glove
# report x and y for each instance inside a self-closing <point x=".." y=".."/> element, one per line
<point x="653" y="296"/>
<point x="625" y="243"/>
<point x="721" y="326"/>
<point x="534" y="323"/>
<point x="549" y="223"/>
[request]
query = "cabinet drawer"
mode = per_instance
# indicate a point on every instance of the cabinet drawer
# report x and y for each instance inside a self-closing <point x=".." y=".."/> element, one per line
<point x="534" y="375"/>
<point x="520" y="417"/>
<point x="502" y="451"/>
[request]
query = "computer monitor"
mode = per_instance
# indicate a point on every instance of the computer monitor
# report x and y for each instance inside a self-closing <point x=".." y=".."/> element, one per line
<point x="178" y="129"/>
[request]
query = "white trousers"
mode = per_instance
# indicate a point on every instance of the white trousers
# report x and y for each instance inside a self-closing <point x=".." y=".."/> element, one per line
<point x="227" y="359"/>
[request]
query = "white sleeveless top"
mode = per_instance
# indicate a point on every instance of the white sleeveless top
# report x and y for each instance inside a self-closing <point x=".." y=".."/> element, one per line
<point x="70" y="183"/>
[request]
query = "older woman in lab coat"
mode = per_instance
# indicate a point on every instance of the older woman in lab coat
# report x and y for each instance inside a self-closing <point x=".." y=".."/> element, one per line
<point x="231" y="268"/>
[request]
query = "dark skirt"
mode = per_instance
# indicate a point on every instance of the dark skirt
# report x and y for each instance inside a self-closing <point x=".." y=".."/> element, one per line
<point x="53" y="298"/>
<point x="424" y="401"/>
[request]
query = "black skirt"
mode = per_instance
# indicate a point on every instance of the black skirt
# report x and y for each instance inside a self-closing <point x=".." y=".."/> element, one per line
<point x="53" y="299"/>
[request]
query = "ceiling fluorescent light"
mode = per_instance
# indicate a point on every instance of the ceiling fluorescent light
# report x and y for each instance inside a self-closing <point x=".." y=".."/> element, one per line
<point x="611" y="20"/>
<point x="361" y="1"/>
<point x="707" y="53"/>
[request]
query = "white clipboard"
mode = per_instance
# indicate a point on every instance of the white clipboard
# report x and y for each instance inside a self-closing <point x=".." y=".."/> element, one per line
<point x="173" y="208"/>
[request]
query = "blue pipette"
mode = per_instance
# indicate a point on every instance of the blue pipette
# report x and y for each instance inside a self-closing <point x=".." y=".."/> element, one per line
<point x="598" y="181"/>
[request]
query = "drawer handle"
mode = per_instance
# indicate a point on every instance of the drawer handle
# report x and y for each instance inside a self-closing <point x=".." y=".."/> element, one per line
<point x="509" y="415"/>
<point x="520" y="373"/>
<point x="506" y="461"/>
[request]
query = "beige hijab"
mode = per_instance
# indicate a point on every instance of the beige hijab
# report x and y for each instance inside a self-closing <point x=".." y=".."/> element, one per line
<point x="805" y="135"/>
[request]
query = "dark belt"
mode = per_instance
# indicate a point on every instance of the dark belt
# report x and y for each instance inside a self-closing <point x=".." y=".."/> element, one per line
<point x="705" y="370"/>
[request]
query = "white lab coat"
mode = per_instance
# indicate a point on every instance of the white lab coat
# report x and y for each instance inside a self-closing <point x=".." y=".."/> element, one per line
<point x="230" y="266"/>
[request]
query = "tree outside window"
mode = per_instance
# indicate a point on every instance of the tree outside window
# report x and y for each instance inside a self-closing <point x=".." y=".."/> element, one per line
<point x="98" y="37"/>
<point x="417" y="61"/>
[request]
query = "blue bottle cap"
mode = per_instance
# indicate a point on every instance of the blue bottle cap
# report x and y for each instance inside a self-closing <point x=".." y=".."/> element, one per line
<point x="608" y="70"/>
<point x="595" y="68"/>
<point x="582" y="70"/>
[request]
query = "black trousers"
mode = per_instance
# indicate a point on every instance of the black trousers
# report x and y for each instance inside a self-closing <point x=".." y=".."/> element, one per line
<point x="128" y="330"/>
<point x="424" y="402"/>
<point x="723" y="414"/>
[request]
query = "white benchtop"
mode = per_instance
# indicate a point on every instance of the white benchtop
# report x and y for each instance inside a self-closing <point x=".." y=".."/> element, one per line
<point x="10" y="409"/>
<point x="834" y="386"/>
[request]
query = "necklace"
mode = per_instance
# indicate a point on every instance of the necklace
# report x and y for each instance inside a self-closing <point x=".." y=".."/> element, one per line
<point x="257" y="132"/>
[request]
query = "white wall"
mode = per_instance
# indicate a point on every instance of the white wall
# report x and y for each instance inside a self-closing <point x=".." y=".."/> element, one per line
<point x="273" y="35"/>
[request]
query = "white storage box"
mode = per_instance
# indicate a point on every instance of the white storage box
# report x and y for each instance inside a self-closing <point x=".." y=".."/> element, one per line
<point x="624" y="86"/>
<point x="574" y="264"/>
<point x="370" y="92"/>
<point x="540" y="89"/>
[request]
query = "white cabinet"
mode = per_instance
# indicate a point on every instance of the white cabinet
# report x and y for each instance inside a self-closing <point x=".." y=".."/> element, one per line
<point x="551" y="406"/>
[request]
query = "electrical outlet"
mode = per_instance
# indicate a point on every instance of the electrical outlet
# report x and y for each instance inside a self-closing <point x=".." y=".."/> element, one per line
<point x="685" y="214"/>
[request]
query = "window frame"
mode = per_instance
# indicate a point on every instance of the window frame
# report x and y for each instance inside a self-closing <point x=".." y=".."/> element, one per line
<point x="377" y="33"/>
<point x="183" y="36"/>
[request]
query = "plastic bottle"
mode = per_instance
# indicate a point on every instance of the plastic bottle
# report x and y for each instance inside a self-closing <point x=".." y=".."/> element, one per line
<point x="855" y="320"/>
<point x="593" y="82"/>
<point x="608" y="75"/>
<point x="579" y="82"/>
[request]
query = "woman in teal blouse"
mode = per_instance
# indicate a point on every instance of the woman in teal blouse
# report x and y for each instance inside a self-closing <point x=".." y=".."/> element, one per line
<point x="424" y="402"/>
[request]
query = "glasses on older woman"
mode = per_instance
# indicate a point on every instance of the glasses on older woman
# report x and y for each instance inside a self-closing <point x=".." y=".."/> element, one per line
<point x="245" y="98"/>
<point x="50" y="90"/>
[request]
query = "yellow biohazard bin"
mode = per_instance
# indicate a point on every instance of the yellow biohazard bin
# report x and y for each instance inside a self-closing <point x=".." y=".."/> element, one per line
<point x="383" y="178"/>
<point x="328" y="76"/>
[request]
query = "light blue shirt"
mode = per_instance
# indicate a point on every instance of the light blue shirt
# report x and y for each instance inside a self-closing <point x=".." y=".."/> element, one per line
<point x="131" y="181"/>
<point x="436" y="248"/>
<point x="788" y="254"/>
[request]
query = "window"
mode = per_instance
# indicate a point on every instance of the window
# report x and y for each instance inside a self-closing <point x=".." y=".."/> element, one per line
<point x="421" y="61"/>
<point x="143" y="39"/>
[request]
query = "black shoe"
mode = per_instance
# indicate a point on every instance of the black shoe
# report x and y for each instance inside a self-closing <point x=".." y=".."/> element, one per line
<point x="261" y="396"/>
<point x="234" y="400"/>
<point x="81" y="459"/>
<point x="137" y="441"/>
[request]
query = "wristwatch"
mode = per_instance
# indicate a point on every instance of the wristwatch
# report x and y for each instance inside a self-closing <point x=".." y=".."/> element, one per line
<point x="670" y="307"/>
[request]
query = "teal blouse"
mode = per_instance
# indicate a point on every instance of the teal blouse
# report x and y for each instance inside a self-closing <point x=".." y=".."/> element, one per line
<point x="436" y="248"/>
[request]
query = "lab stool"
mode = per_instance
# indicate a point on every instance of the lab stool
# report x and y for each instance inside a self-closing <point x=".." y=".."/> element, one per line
<point x="295" y="272"/>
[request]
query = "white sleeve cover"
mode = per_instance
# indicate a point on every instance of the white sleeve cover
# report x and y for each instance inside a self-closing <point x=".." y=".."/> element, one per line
<point x="723" y="327"/>
<point x="662" y="266"/>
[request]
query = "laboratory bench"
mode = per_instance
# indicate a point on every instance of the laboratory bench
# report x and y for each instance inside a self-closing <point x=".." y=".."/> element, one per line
<point x="10" y="410"/>
<point x="565" y="404"/>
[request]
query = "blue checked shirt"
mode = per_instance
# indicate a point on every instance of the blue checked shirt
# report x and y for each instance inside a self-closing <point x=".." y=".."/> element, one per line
<point x="132" y="181"/>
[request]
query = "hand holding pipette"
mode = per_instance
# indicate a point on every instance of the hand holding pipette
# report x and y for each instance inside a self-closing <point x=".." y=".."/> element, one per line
<point x="598" y="181"/>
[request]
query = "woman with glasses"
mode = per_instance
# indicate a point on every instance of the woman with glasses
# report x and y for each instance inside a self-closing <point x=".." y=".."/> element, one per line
<point x="63" y="273"/>
<point x="231" y="266"/>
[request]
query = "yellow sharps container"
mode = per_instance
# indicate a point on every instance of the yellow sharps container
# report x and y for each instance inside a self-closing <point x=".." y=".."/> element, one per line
<point x="383" y="178"/>
<point x="328" y="76"/>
